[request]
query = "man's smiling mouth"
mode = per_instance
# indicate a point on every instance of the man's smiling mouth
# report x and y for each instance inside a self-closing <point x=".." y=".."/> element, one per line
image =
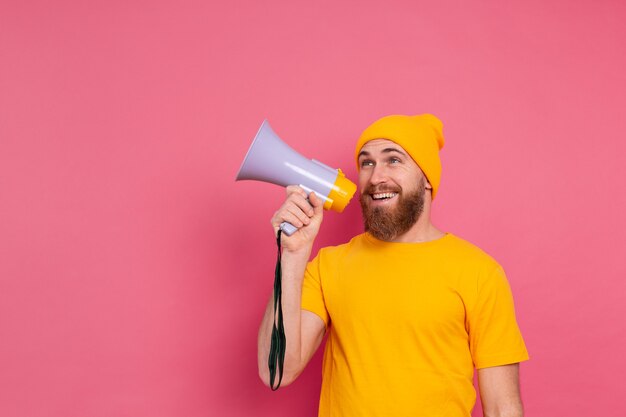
<point x="383" y="196"/>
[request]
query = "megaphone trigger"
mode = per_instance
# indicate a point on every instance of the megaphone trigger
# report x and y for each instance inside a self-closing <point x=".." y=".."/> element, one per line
<point x="288" y="228"/>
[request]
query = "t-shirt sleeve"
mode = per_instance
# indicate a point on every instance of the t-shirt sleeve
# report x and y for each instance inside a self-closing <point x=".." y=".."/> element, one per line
<point x="495" y="338"/>
<point x="312" y="293"/>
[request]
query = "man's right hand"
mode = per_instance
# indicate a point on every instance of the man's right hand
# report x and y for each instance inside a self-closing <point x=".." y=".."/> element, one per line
<point x="304" y="214"/>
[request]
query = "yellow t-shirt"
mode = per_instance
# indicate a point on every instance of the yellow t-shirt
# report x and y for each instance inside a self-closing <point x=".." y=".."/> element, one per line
<point x="408" y="323"/>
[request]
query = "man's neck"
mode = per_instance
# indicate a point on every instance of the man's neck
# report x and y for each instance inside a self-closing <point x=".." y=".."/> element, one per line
<point x="419" y="233"/>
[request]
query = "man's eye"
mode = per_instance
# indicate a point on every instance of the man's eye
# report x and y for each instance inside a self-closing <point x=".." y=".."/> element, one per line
<point x="395" y="160"/>
<point x="366" y="163"/>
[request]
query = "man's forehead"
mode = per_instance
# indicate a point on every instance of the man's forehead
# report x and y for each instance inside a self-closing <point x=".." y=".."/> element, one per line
<point x="381" y="145"/>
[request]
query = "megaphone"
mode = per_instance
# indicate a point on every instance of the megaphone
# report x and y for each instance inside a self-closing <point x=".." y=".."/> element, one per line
<point x="269" y="159"/>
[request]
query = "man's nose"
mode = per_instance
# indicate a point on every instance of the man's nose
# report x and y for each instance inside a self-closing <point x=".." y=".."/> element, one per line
<point x="379" y="175"/>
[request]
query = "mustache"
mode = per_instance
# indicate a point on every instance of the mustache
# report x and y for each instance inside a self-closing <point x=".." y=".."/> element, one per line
<point x="371" y="189"/>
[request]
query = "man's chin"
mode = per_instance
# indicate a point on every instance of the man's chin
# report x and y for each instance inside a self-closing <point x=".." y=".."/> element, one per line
<point x="384" y="213"/>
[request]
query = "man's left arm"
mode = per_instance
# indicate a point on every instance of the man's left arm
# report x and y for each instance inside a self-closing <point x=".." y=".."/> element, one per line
<point x="499" y="391"/>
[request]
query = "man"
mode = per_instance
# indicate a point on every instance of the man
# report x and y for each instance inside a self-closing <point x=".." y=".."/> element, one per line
<point x="410" y="310"/>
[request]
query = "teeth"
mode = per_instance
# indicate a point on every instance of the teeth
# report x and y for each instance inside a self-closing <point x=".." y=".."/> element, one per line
<point x="381" y="196"/>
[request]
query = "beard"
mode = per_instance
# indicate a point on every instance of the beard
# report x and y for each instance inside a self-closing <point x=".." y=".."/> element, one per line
<point x="386" y="223"/>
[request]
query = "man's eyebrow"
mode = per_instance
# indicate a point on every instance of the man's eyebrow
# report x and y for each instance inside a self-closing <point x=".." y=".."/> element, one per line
<point x="386" y="150"/>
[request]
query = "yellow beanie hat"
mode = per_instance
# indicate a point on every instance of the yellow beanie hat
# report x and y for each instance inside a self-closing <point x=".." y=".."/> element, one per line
<point x="421" y="136"/>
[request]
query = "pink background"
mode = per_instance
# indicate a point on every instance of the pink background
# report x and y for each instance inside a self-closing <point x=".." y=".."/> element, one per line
<point x="134" y="270"/>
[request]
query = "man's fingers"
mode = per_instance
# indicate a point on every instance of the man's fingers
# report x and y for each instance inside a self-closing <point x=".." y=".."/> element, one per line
<point x="316" y="202"/>
<point x="295" y="189"/>
<point x="304" y="212"/>
<point x="296" y="194"/>
<point x="299" y="208"/>
<point x="297" y="214"/>
<point x="302" y="203"/>
<point x="296" y="210"/>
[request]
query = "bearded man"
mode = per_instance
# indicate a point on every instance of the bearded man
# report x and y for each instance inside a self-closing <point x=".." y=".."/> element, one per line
<point x="410" y="311"/>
